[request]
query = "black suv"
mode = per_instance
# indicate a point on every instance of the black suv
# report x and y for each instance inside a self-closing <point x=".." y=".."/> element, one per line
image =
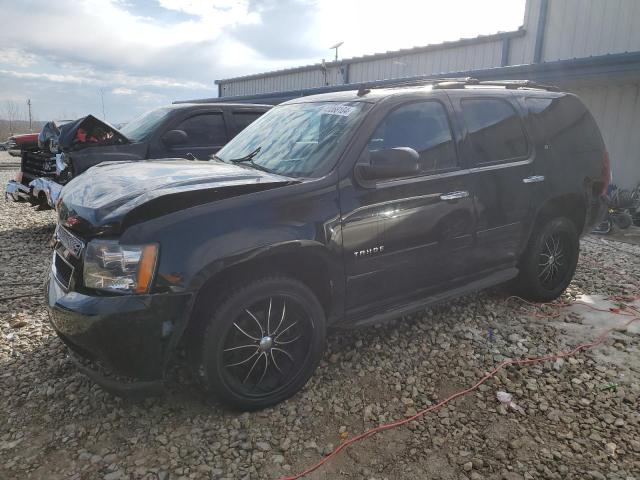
<point x="68" y="148"/>
<point x="345" y="208"/>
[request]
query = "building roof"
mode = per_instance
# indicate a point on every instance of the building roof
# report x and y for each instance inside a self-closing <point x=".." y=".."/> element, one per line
<point x="375" y="56"/>
<point x="576" y="71"/>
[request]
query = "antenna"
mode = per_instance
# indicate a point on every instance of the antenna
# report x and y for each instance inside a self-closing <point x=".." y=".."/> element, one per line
<point x="335" y="47"/>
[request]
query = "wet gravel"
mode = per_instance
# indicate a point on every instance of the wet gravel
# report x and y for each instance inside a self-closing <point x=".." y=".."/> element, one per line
<point x="576" y="419"/>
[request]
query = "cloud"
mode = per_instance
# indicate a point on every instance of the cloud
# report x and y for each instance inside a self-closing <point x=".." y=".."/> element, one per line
<point x="17" y="57"/>
<point x="61" y="53"/>
<point x="95" y="79"/>
<point x="122" y="91"/>
<point x="287" y="29"/>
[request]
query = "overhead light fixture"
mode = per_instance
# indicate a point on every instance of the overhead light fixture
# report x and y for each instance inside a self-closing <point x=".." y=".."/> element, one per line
<point x="335" y="47"/>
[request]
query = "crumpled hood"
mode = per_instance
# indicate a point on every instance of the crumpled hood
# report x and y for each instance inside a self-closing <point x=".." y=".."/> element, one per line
<point x="96" y="132"/>
<point x="108" y="192"/>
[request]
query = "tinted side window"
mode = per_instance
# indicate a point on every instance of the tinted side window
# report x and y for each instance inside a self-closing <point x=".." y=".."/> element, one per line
<point x="243" y="119"/>
<point x="565" y="123"/>
<point x="203" y="130"/>
<point x="495" y="130"/>
<point x="422" y="126"/>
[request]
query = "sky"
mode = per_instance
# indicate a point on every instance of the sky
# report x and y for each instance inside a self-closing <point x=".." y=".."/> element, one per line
<point x="70" y="56"/>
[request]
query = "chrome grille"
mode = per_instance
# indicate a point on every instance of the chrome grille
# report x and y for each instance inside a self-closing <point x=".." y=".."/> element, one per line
<point x="62" y="270"/>
<point x="72" y="243"/>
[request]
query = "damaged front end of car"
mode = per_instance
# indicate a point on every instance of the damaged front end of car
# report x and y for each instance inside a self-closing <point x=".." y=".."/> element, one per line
<point x="46" y="169"/>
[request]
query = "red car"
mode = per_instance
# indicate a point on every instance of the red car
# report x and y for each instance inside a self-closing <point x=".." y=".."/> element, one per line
<point x="17" y="143"/>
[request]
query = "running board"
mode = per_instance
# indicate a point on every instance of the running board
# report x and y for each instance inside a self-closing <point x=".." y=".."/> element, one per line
<point x="415" y="306"/>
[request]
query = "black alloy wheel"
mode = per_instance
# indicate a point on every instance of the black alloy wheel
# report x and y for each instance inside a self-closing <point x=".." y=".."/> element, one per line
<point x="263" y="343"/>
<point x="553" y="264"/>
<point x="549" y="262"/>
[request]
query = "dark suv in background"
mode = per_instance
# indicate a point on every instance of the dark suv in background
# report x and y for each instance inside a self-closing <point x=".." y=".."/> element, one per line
<point x="66" y="149"/>
<point x="345" y="208"/>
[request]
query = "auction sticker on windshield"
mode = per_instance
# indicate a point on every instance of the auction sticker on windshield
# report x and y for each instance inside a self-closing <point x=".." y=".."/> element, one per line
<point x="338" y="109"/>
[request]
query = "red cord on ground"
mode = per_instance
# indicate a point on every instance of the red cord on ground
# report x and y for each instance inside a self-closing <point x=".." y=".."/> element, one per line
<point x="527" y="361"/>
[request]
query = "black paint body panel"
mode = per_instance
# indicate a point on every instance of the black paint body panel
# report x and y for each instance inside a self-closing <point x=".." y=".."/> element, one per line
<point x="226" y="216"/>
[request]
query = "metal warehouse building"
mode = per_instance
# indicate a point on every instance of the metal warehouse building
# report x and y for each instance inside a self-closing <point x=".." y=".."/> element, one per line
<point x="589" y="47"/>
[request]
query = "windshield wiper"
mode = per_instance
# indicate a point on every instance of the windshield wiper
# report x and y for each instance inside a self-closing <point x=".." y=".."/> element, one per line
<point x="248" y="157"/>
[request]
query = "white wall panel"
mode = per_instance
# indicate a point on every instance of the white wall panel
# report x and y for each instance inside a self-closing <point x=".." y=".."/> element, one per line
<point x="522" y="48"/>
<point x="583" y="28"/>
<point x="616" y="109"/>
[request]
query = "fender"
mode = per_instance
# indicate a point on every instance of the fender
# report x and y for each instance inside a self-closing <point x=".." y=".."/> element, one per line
<point x="293" y="248"/>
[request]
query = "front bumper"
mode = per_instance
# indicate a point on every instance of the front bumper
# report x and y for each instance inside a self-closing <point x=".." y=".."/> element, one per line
<point x="17" y="192"/>
<point x="40" y="190"/>
<point x="129" y="335"/>
<point x="47" y="188"/>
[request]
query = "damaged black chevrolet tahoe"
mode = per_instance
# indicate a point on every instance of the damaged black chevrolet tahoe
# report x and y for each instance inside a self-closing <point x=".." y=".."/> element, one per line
<point x="347" y="208"/>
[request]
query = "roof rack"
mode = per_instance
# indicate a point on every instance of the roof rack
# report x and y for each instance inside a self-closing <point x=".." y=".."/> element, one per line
<point x="515" y="84"/>
<point x="456" y="82"/>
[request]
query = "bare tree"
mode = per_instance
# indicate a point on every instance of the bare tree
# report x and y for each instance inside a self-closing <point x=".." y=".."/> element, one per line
<point x="11" y="112"/>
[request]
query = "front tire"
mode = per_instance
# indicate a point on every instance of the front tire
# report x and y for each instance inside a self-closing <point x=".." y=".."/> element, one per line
<point x="549" y="262"/>
<point x="262" y="343"/>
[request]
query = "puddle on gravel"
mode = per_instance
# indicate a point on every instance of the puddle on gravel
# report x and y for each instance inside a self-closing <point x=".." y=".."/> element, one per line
<point x="619" y="349"/>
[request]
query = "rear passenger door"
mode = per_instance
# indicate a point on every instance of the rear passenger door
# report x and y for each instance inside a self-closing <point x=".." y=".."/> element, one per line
<point x="241" y="118"/>
<point x="206" y="134"/>
<point x="499" y="153"/>
<point x="406" y="236"/>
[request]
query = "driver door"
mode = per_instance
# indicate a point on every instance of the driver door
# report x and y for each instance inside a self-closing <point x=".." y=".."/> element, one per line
<point x="406" y="237"/>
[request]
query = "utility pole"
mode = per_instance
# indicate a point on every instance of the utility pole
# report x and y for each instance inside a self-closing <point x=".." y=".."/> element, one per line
<point x="29" y="105"/>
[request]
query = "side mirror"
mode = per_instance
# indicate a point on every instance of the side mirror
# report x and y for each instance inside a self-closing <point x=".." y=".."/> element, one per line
<point x="396" y="162"/>
<point x="175" y="137"/>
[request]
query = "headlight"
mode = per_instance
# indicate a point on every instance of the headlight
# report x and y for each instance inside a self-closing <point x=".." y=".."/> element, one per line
<point x="119" y="268"/>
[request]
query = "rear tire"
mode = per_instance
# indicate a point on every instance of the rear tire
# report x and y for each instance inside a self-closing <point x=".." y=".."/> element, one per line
<point x="262" y="343"/>
<point x="622" y="220"/>
<point x="549" y="262"/>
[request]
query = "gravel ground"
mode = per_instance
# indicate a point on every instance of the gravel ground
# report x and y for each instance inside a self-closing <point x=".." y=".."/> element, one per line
<point x="54" y="423"/>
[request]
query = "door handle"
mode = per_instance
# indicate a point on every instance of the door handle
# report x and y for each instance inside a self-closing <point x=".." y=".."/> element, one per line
<point x="454" y="195"/>
<point x="533" y="179"/>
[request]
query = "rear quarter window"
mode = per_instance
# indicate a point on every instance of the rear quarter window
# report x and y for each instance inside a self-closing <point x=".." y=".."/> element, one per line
<point x="495" y="130"/>
<point x="565" y="123"/>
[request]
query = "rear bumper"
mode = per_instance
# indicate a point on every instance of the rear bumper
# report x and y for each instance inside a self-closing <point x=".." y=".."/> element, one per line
<point x="129" y="335"/>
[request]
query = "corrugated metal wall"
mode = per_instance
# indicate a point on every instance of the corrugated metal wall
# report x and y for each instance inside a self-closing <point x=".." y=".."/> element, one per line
<point x="616" y="109"/>
<point x="471" y="56"/>
<point x="521" y="49"/>
<point x="583" y="28"/>
<point x="283" y="82"/>
<point x="430" y="62"/>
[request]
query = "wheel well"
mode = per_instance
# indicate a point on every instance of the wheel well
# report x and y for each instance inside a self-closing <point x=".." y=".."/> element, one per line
<point x="309" y="269"/>
<point x="570" y="206"/>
